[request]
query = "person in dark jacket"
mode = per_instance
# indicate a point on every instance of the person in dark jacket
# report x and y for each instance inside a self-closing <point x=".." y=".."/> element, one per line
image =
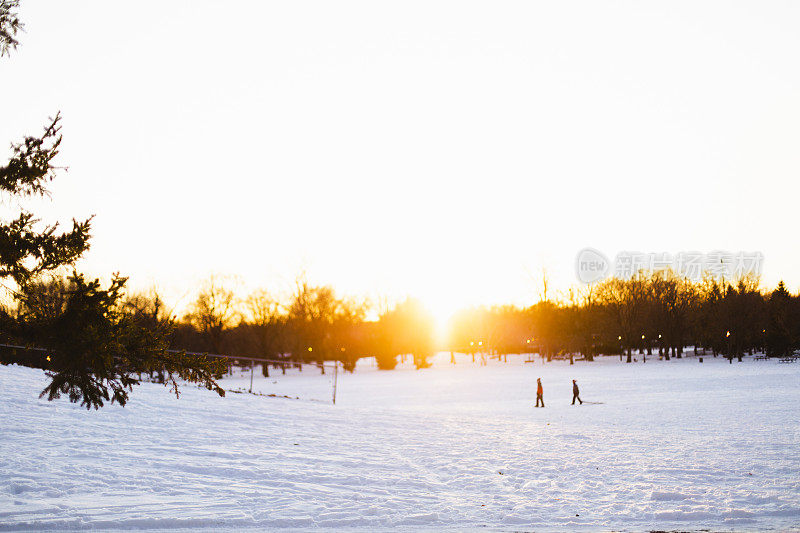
<point x="539" y="392"/>
<point x="575" y="393"/>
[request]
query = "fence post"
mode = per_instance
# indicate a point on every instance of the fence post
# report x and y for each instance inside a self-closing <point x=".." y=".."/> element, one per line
<point x="335" y="379"/>
<point x="252" y="370"/>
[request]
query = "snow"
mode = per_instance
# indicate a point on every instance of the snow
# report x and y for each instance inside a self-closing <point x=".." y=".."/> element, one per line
<point x="676" y="445"/>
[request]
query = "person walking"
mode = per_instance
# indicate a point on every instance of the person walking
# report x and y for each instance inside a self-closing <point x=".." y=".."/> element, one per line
<point x="539" y="392"/>
<point x="575" y="392"/>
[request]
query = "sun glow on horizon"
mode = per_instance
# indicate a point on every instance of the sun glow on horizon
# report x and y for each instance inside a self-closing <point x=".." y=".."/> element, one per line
<point x="442" y="312"/>
<point x="508" y="158"/>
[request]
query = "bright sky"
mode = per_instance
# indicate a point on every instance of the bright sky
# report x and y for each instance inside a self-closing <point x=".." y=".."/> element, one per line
<point x="447" y="150"/>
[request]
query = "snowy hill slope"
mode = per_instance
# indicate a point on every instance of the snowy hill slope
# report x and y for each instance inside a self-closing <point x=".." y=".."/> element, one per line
<point x="676" y="444"/>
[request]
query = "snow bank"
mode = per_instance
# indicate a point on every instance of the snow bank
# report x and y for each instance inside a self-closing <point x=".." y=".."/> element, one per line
<point x="674" y="445"/>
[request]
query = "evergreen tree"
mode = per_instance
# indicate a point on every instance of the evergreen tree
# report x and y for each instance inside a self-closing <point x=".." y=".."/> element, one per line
<point x="779" y="337"/>
<point x="97" y="349"/>
<point x="28" y="249"/>
<point x="99" y="345"/>
<point x="9" y="26"/>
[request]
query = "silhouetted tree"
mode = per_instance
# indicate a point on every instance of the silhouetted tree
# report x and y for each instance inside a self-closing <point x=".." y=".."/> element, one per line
<point x="98" y="347"/>
<point x="212" y="312"/>
<point x="409" y="330"/>
<point x="672" y="301"/>
<point x="10" y="25"/>
<point x="781" y="331"/>
<point x="28" y="249"/>
<point x="266" y="323"/>
<point x="625" y="300"/>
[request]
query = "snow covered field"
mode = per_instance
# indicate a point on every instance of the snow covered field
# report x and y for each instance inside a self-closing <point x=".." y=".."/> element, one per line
<point x="675" y="445"/>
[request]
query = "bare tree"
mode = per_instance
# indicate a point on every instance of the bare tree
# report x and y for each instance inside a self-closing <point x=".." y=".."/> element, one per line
<point x="625" y="299"/>
<point x="213" y="311"/>
<point x="311" y="314"/>
<point x="673" y="298"/>
<point x="43" y="300"/>
<point x="545" y="284"/>
<point x="267" y="323"/>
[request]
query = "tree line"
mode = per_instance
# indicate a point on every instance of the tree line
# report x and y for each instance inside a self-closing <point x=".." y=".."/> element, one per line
<point x="313" y="325"/>
<point x="651" y="313"/>
<point x="658" y="313"/>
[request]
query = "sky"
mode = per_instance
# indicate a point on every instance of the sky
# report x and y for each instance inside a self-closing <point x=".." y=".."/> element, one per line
<point x="444" y="150"/>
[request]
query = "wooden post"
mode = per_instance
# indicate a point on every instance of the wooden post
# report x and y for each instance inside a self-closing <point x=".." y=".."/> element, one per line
<point x="252" y="370"/>
<point x="335" y="379"/>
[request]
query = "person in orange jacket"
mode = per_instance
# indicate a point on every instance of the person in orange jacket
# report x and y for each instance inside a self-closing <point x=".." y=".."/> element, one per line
<point x="539" y="392"/>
